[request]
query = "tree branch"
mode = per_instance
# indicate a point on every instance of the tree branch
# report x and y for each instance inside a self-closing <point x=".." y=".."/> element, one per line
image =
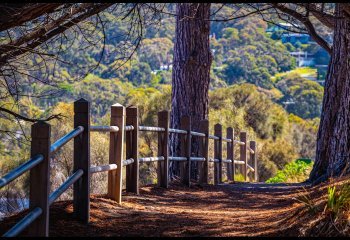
<point x="308" y="25"/>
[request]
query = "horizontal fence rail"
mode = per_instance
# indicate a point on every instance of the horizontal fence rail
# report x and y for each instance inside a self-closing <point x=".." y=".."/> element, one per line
<point x="15" y="173"/>
<point x="178" y="158"/>
<point x="24" y="222"/>
<point x="104" y="168"/>
<point x="197" y="134"/>
<point x="66" y="138"/>
<point x="129" y="128"/>
<point x="151" y="159"/>
<point x="104" y="129"/>
<point x="239" y="162"/>
<point x="124" y="133"/>
<point x="172" y="130"/>
<point x="214" y="137"/>
<point x="214" y="160"/>
<point x="239" y="142"/>
<point x="128" y="161"/>
<point x="151" y="129"/>
<point x="69" y="182"/>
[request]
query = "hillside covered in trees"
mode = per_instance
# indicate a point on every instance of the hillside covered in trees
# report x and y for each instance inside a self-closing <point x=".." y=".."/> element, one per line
<point x="253" y="76"/>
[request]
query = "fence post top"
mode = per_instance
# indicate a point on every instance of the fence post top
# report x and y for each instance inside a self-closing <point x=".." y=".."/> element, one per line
<point x="82" y="100"/>
<point x="229" y="129"/>
<point x="41" y="129"/>
<point x="163" y="112"/>
<point x="117" y="110"/>
<point x="132" y="111"/>
<point x="81" y="105"/>
<point x="218" y="126"/>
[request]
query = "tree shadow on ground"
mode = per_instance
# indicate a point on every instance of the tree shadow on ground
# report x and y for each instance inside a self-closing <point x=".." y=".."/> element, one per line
<point x="223" y="210"/>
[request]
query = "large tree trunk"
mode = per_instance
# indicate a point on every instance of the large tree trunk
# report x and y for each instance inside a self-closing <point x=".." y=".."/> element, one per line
<point x="333" y="140"/>
<point x="191" y="68"/>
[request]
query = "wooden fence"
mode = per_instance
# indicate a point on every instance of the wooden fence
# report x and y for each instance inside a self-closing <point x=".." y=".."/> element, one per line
<point x="123" y="127"/>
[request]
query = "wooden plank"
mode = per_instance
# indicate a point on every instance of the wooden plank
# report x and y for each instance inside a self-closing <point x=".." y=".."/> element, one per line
<point x="81" y="188"/>
<point x="185" y="167"/>
<point x="39" y="182"/>
<point x="116" y="147"/>
<point x="243" y="153"/>
<point x="218" y="154"/>
<point x="229" y="135"/>
<point x="132" y="170"/>
<point x="163" y="149"/>
<point x="254" y="161"/>
<point x="204" y="151"/>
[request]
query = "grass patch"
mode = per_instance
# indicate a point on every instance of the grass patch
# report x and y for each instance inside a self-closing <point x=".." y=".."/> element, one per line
<point x="302" y="71"/>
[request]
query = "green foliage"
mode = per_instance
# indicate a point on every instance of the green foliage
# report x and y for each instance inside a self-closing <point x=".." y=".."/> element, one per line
<point x="296" y="171"/>
<point x="338" y="199"/>
<point x="307" y="95"/>
<point x="239" y="177"/>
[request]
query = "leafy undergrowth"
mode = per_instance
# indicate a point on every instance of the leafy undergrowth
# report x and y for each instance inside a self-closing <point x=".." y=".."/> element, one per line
<point x="296" y="171"/>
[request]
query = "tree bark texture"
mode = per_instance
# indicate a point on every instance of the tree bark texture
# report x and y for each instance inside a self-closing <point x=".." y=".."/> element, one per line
<point x="191" y="71"/>
<point x="333" y="142"/>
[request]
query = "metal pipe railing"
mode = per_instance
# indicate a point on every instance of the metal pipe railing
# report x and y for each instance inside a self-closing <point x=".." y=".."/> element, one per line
<point x="70" y="181"/>
<point x="197" y="159"/>
<point x="24" y="223"/>
<point x="129" y="128"/>
<point x="239" y="162"/>
<point x="213" y="137"/>
<point x="104" y="129"/>
<point x="128" y="161"/>
<point x="197" y="134"/>
<point x="250" y="150"/>
<point x="214" y="160"/>
<point x="250" y="168"/>
<point x="66" y="138"/>
<point x="226" y="139"/>
<point x="226" y="160"/>
<point x="178" y="158"/>
<point x="103" y="168"/>
<point x="173" y="130"/>
<point x="239" y="142"/>
<point x="151" y="129"/>
<point x="151" y="159"/>
<point x="18" y="171"/>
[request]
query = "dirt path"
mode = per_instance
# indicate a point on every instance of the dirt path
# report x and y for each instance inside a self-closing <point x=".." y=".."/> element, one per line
<point x="224" y="210"/>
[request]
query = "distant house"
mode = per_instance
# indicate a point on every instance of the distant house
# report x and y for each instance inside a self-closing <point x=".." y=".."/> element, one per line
<point x="303" y="59"/>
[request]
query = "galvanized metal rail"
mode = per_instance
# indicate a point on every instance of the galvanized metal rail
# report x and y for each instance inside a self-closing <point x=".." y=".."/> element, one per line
<point x="66" y="138"/>
<point x="15" y="173"/>
<point x="104" y="129"/>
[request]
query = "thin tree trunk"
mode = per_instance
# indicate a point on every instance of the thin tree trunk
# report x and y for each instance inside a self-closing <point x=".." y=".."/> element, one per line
<point x="333" y="142"/>
<point x="191" y="70"/>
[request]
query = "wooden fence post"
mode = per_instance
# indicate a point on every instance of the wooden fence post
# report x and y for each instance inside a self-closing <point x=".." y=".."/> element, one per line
<point x="163" y="149"/>
<point x="116" y="153"/>
<point x="254" y="160"/>
<point x="243" y="153"/>
<point x="81" y="188"/>
<point x="39" y="187"/>
<point x="204" y="151"/>
<point x="185" y="167"/>
<point x="229" y="135"/>
<point x="218" y="154"/>
<point x="132" y="170"/>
